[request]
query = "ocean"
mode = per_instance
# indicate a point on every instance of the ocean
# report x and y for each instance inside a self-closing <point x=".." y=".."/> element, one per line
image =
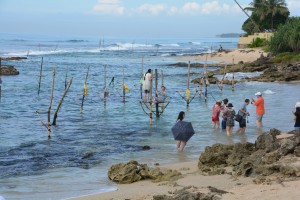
<point x="83" y="145"/>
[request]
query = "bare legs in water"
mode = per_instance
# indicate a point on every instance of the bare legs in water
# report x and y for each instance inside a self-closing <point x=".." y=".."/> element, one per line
<point x="180" y="145"/>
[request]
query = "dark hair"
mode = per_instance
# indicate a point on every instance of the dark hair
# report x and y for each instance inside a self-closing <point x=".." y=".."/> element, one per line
<point x="180" y="116"/>
<point x="247" y="100"/>
<point x="149" y="71"/>
<point x="225" y="101"/>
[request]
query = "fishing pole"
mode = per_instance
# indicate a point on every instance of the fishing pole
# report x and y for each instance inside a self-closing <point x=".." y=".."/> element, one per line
<point x="213" y="96"/>
<point x="112" y="81"/>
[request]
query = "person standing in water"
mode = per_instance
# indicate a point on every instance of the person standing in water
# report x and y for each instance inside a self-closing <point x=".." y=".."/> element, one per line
<point x="180" y="144"/>
<point x="223" y="110"/>
<point x="260" y="108"/>
<point x="147" y="85"/>
<point x="296" y="116"/>
<point x="229" y="114"/>
<point x="243" y="112"/>
<point x="215" y="114"/>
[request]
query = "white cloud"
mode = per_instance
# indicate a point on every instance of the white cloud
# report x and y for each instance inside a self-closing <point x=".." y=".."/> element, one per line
<point x="213" y="7"/>
<point x="109" y="7"/>
<point x="191" y="7"/>
<point x="152" y="9"/>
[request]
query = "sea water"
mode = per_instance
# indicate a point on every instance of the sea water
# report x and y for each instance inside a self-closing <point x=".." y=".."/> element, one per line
<point x="110" y="131"/>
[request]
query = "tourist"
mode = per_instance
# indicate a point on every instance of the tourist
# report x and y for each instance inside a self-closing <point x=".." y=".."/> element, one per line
<point x="229" y="114"/>
<point x="215" y="114"/>
<point x="223" y="110"/>
<point x="180" y="144"/>
<point x="260" y="108"/>
<point x="147" y="85"/>
<point x="161" y="95"/>
<point x="243" y="112"/>
<point x="296" y="116"/>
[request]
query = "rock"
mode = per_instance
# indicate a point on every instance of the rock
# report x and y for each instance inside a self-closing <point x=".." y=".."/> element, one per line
<point x="297" y="151"/>
<point x="269" y="159"/>
<point x="146" y="147"/>
<point x="239" y="152"/>
<point x="125" y="173"/>
<point x="133" y="171"/>
<point x="266" y="142"/>
<point x="9" y="70"/>
<point x="213" y="159"/>
<point x="287" y="146"/>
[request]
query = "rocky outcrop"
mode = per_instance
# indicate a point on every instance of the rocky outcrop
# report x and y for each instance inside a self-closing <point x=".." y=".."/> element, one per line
<point x="270" y="158"/>
<point x="133" y="172"/>
<point x="191" y="193"/>
<point x="271" y="71"/>
<point x="8" y="70"/>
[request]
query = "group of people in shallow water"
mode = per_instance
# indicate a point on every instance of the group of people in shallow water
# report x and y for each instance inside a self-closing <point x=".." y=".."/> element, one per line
<point x="225" y="110"/>
<point x="229" y="115"/>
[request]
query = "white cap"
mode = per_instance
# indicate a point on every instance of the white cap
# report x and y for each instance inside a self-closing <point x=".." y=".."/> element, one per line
<point x="258" y="94"/>
<point x="297" y="105"/>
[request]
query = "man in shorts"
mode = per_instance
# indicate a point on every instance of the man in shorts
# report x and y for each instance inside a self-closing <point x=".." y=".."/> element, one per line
<point x="260" y="108"/>
<point x="243" y="112"/>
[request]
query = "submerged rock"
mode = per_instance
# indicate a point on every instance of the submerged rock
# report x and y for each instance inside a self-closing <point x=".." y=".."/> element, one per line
<point x="9" y="70"/>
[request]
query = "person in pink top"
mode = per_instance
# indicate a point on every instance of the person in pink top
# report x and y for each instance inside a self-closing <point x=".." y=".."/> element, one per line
<point x="215" y="114"/>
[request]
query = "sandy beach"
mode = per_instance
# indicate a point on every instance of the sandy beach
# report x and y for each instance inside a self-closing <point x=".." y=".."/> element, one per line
<point x="240" y="188"/>
<point x="236" y="56"/>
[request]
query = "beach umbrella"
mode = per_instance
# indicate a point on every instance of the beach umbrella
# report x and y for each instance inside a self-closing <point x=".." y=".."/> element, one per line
<point x="183" y="131"/>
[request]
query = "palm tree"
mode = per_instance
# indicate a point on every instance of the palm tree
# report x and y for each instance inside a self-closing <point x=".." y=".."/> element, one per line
<point x="276" y="6"/>
<point x="268" y="8"/>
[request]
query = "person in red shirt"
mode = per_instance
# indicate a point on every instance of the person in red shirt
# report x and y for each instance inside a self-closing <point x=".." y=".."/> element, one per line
<point x="215" y="114"/>
<point x="260" y="108"/>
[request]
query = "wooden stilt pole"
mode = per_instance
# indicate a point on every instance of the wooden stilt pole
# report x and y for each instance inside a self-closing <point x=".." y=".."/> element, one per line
<point x="156" y="89"/>
<point x="150" y="114"/>
<point x="141" y="85"/>
<point x="232" y="82"/>
<point x="187" y="93"/>
<point x="84" y="89"/>
<point x="40" y="77"/>
<point x="201" y="85"/>
<point x="66" y="79"/>
<point x="206" y="79"/>
<point x="106" y="93"/>
<point x="151" y="84"/>
<point x="221" y="85"/>
<point x="162" y="83"/>
<point x="0" y="80"/>
<point x="60" y="102"/>
<point x="124" y="92"/>
<point x="50" y="105"/>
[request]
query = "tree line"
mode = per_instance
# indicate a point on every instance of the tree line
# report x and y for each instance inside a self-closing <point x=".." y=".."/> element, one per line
<point x="274" y="16"/>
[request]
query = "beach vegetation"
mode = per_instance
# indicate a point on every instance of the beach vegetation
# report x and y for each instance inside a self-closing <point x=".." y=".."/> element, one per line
<point x="286" y="57"/>
<point x="287" y="37"/>
<point x="267" y="16"/>
<point x="259" y="42"/>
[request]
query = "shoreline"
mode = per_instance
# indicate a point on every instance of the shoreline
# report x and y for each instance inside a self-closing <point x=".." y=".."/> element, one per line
<point x="233" y="56"/>
<point x="236" y="187"/>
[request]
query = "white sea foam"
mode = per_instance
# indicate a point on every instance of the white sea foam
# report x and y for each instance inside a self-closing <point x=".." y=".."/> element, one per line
<point x="268" y="92"/>
<point x="2" y="198"/>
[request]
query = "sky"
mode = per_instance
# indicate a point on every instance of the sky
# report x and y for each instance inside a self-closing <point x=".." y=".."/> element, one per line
<point x="126" y="18"/>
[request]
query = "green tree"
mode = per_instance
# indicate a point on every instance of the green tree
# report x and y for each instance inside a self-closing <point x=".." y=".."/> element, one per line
<point x="287" y="37"/>
<point x="267" y="14"/>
